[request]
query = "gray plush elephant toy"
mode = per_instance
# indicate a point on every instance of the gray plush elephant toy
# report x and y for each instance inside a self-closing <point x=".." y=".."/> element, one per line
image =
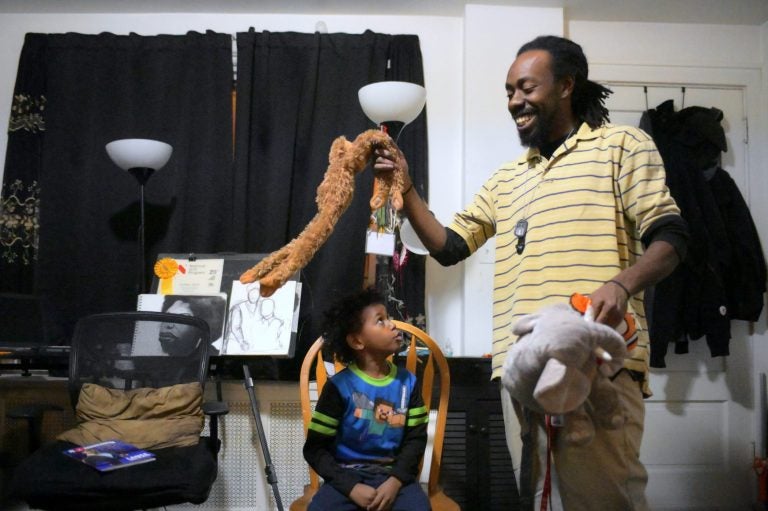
<point x="561" y="365"/>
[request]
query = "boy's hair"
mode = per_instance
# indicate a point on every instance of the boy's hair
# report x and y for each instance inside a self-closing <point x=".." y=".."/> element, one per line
<point x="568" y="59"/>
<point x="345" y="317"/>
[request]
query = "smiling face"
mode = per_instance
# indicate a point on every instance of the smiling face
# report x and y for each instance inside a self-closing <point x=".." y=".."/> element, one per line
<point x="540" y="105"/>
<point x="378" y="335"/>
<point x="176" y="339"/>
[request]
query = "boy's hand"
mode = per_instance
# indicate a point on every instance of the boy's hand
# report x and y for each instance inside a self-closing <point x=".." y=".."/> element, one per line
<point x="385" y="495"/>
<point x="362" y="495"/>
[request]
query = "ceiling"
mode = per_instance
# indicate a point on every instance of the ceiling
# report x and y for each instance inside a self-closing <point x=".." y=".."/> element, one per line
<point x="730" y="12"/>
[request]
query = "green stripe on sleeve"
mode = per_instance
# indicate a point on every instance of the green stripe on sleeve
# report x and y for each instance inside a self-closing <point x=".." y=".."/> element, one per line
<point x="321" y="417"/>
<point x="323" y="430"/>
<point x="415" y="421"/>
<point x="421" y="410"/>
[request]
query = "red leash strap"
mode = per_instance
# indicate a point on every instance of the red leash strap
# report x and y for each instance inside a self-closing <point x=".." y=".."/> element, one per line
<point x="547" y="490"/>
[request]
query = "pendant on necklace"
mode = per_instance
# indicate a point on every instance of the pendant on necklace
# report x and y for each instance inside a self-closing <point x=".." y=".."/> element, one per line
<point x="521" y="229"/>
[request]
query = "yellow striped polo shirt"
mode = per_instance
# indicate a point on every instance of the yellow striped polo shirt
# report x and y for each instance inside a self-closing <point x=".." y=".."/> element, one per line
<point x="587" y="208"/>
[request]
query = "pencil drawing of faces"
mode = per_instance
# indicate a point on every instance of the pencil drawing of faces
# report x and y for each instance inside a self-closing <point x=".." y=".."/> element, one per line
<point x="253" y="293"/>
<point x="267" y="308"/>
<point x="176" y="339"/>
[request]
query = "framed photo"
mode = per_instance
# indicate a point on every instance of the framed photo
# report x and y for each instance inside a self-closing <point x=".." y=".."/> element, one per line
<point x="153" y="339"/>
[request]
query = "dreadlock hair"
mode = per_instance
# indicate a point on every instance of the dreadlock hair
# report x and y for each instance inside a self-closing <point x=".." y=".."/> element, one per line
<point x="568" y="59"/>
<point x="345" y="317"/>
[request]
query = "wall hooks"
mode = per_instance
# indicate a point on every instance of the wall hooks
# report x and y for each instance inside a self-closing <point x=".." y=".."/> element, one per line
<point x="645" y="91"/>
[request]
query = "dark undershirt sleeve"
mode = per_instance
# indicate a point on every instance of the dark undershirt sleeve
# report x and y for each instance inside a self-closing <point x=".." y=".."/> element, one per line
<point x="454" y="250"/>
<point x="670" y="228"/>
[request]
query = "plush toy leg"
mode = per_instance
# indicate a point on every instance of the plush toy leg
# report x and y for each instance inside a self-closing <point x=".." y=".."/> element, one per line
<point x="560" y="388"/>
<point x="605" y="404"/>
<point x="267" y="264"/>
<point x="579" y="429"/>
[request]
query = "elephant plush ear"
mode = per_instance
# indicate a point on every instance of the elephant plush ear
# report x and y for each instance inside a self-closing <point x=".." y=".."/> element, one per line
<point x="525" y="325"/>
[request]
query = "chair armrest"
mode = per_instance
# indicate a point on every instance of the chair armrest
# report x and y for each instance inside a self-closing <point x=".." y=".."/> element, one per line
<point x="215" y="408"/>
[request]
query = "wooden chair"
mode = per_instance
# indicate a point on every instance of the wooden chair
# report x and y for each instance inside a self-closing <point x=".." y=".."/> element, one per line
<point x="424" y="359"/>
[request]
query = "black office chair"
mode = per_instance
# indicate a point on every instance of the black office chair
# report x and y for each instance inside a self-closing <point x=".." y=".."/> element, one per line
<point x="124" y="383"/>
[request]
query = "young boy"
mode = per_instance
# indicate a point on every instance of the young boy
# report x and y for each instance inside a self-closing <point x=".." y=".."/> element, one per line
<point x="369" y="428"/>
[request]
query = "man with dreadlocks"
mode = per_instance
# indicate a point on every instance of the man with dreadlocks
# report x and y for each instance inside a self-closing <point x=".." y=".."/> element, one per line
<point x="584" y="210"/>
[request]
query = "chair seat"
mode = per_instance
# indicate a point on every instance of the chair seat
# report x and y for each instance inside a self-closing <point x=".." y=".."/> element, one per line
<point x="48" y="479"/>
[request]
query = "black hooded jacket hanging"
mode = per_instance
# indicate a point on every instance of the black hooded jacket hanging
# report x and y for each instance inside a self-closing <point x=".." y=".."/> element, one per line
<point x="723" y="276"/>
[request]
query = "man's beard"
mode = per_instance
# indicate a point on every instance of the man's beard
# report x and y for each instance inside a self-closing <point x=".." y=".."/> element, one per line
<point x="539" y="135"/>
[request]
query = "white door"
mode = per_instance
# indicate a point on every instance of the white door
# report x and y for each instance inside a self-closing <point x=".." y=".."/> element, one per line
<point x="700" y="422"/>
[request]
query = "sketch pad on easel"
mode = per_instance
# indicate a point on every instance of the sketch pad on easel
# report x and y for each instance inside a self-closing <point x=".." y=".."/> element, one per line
<point x="258" y="325"/>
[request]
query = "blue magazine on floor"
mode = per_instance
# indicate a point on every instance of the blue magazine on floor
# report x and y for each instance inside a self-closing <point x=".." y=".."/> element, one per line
<point x="110" y="455"/>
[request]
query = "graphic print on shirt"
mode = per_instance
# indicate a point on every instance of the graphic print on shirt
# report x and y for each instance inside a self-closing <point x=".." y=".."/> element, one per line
<point x="380" y="413"/>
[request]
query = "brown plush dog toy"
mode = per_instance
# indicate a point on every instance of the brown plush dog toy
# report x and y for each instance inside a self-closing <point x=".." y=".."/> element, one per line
<point x="346" y="159"/>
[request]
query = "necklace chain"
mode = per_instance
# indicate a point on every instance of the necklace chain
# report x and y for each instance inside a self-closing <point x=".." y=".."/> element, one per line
<point x="521" y="227"/>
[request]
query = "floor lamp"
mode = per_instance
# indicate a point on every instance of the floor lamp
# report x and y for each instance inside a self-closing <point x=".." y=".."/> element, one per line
<point x="141" y="158"/>
<point x="388" y="103"/>
<point x="400" y="102"/>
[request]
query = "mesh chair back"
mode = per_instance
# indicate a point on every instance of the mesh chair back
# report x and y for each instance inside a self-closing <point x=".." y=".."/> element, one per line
<point x="130" y="350"/>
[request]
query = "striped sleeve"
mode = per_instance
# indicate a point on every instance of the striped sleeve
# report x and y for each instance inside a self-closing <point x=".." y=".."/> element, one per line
<point x="644" y="195"/>
<point x="477" y="223"/>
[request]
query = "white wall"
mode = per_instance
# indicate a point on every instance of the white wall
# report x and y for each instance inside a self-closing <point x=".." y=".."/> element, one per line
<point x="761" y="349"/>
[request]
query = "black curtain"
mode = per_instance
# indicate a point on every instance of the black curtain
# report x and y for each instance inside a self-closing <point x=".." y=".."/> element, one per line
<point x="295" y="94"/>
<point x="20" y="200"/>
<point x="98" y="88"/>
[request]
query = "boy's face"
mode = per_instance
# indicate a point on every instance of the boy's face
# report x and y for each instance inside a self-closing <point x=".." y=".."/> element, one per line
<point x="378" y="333"/>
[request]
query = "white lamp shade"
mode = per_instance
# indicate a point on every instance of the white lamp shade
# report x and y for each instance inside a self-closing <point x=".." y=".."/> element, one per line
<point x="411" y="240"/>
<point x="392" y="101"/>
<point x="131" y="153"/>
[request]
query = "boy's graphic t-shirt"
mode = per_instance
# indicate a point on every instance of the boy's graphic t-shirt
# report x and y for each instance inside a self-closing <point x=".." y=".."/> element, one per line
<point x="361" y="420"/>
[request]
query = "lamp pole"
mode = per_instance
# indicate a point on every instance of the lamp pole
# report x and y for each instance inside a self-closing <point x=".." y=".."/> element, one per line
<point x="142" y="175"/>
